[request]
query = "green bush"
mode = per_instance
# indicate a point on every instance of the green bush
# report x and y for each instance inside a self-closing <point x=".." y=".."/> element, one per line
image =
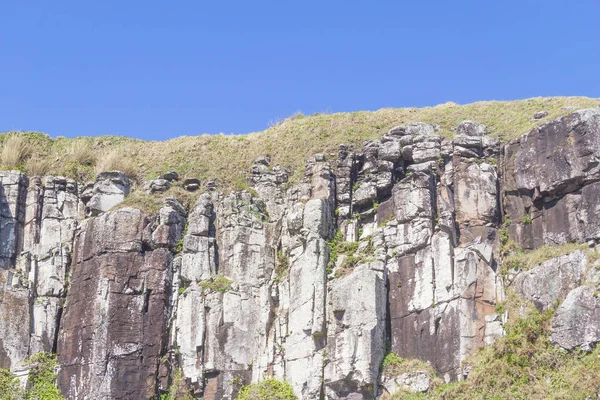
<point x="42" y="378"/>
<point x="269" y="389"/>
<point x="282" y="267"/>
<point x="178" y="389"/>
<point x="9" y="386"/>
<point x="216" y="283"/>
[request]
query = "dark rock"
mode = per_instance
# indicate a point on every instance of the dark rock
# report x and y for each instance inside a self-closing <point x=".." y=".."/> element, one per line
<point x="212" y="185"/>
<point x="159" y="186"/>
<point x="114" y="329"/>
<point x="191" y="184"/>
<point x="540" y="114"/>
<point x="263" y="160"/>
<point x="170" y="176"/>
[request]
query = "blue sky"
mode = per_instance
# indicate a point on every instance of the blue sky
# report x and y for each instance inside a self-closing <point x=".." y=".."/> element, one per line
<point x="158" y="69"/>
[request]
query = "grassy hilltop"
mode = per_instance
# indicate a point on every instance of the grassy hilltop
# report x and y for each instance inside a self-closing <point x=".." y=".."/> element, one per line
<point x="289" y="142"/>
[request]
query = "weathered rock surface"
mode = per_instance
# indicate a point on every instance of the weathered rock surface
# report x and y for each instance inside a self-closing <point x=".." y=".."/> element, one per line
<point x="109" y="190"/>
<point x="416" y="382"/>
<point x="550" y="182"/>
<point x="552" y="280"/>
<point x="577" y="320"/>
<point x="244" y="285"/>
<point x="114" y="330"/>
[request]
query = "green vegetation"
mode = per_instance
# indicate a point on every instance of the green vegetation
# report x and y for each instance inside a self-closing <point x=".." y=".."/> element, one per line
<point x="178" y="389"/>
<point x="216" y="283"/>
<point x="9" y="386"/>
<point x="290" y="142"/>
<point x="521" y="260"/>
<point x="152" y="203"/>
<point x="521" y="365"/>
<point x="352" y="256"/>
<point x="393" y="364"/>
<point x="375" y="206"/>
<point x="527" y="219"/>
<point x="525" y="365"/>
<point x="269" y="389"/>
<point x="41" y="384"/>
<point x="282" y="266"/>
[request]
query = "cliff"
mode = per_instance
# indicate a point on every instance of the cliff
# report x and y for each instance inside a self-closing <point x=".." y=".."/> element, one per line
<point x="417" y="245"/>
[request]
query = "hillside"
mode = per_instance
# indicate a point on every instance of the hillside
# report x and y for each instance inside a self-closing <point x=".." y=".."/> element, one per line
<point x="226" y="158"/>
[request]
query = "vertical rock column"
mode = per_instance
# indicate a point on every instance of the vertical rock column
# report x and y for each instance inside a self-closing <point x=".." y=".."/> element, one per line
<point x="306" y="317"/>
<point x="53" y="211"/>
<point x="224" y="313"/>
<point x="114" y="329"/>
<point x="442" y="297"/>
<point x="14" y="293"/>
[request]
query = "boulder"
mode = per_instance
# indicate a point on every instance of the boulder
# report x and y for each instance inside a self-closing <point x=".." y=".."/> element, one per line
<point x="471" y="128"/>
<point x="576" y="323"/>
<point x="110" y="189"/>
<point x="170" y="176"/>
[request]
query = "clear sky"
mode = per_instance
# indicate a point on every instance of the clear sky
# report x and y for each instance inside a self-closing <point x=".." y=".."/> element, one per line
<point x="161" y="69"/>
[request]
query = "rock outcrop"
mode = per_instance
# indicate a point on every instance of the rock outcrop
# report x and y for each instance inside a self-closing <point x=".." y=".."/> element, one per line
<point x="392" y="246"/>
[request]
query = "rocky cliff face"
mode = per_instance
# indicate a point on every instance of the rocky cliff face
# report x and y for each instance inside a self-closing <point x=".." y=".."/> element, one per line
<point x="392" y="246"/>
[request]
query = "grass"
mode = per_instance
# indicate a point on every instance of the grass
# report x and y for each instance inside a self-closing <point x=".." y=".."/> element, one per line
<point x="82" y="152"/>
<point x="521" y="260"/>
<point x="521" y="365"/>
<point x="525" y="365"/>
<point x="37" y="166"/>
<point x="352" y="256"/>
<point x="117" y="160"/>
<point x="227" y="157"/>
<point x="16" y="149"/>
<point x="393" y="364"/>
<point x="152" y="203"/>
<point x="268" y="389"/>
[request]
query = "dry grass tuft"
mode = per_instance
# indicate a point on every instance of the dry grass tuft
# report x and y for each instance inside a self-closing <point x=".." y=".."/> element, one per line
<point x="15" y="150"/>
<point x="115" y="160"/>
<point x="37" y="166"/>
<point x="82" y="153"/>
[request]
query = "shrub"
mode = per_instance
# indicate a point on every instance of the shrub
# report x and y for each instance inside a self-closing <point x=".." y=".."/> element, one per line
<point x="269" y="389"/>
<point x="525" y="365"/>
<point x="527" y="219"/>
<point x="42" y="378"/>
<point x="9" y="386"/>
<point x="282" y="267"/>
<point x="216" y="283"/>
<point x="178" y="389"/>
<point x="15" y="150"/>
